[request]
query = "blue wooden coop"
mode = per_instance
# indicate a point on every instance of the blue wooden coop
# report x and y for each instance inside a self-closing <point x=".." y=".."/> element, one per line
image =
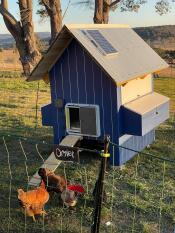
<point x="101" y="82"/>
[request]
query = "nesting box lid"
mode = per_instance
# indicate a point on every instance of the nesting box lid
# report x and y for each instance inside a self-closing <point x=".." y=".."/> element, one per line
<point x="146" y="103"/>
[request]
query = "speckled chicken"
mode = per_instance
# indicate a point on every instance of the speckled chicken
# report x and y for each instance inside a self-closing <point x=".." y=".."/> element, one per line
<point x="69" y="198"/>
<point x="70" y="195"/>
<point x="33" y="201"/>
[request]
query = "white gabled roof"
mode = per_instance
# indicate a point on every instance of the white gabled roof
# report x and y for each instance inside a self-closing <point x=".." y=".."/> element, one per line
<point x="134" y="58"/>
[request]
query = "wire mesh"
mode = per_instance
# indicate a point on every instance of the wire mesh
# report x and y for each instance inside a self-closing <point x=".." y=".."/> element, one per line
<point x="19" y="165"/>
<point x="140" y="196"/>
<point x="143" y="196"/>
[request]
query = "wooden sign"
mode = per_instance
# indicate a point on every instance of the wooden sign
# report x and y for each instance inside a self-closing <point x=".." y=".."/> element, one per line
<point x="66" y="154"/>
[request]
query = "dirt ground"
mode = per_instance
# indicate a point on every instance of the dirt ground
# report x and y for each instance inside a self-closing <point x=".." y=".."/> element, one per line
<point x="9" y="60"/>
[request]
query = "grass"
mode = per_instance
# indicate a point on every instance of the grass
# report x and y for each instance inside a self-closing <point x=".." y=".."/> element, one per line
<point x="18" y="107"/>
<point x="140" y="197"/>
<point x="166" y="86"/>
<point x="9" y="74"/>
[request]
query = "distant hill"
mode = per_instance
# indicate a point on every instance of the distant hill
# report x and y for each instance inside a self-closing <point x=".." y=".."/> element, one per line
<point x="7" y="41"/>
<point x="161" y="37"/>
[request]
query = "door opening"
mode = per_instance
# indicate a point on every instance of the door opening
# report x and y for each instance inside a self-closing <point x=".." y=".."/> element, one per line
<point x="74" y="119"/>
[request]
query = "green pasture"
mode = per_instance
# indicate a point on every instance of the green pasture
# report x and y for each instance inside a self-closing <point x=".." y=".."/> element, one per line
<point x="140" y="196"/>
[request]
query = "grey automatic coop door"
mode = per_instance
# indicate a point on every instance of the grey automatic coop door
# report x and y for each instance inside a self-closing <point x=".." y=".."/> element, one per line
<point x="83" y="120"/>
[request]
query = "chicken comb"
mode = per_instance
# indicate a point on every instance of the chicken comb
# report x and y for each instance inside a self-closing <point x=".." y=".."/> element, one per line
<point x="76" y="188"/>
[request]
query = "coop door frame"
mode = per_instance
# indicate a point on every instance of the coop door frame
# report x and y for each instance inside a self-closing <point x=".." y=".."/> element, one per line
<point x="84" y="120"/>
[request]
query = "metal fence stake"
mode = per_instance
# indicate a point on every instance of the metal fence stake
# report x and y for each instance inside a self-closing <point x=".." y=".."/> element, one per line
<point x="99" y="187"/>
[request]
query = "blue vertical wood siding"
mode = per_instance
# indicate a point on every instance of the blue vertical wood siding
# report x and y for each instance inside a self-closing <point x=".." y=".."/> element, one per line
<point x="76" y="78"/>
<point x="137" y="143"/>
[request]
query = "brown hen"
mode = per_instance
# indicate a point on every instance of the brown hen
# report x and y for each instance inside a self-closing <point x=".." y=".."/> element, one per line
<point x="53" y="182"/>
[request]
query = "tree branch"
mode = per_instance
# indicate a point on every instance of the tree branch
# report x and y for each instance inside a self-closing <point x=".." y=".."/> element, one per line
<point x="12" y="24"/>
<point x="6" y="14"/>
<point x="4" y="3"/>
<point x="47" y="6"/>
<point x="113" y="3"/>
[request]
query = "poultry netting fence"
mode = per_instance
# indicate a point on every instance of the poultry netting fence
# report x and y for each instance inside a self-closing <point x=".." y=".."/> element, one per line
<point x="139" y="197"/>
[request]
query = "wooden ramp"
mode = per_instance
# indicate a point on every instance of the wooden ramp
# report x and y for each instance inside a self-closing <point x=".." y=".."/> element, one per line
<point x="52" y="163"/>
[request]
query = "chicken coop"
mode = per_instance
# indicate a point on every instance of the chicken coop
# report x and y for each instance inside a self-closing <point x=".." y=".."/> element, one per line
<point x="101" y="83"/>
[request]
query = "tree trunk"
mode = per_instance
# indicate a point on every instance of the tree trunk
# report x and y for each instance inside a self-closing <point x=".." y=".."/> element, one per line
<point x="28" y="31"/>
<point x="98" y="13"/>
<point x="53" y="8"/>
<point x="55" y="19"/>
<point x="106" y="10"/>
<point x="102" y="10"/>
<point x="23" y="33"/>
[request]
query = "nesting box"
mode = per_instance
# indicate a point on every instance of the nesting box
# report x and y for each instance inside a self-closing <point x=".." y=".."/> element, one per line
<point x="101" y="82"/>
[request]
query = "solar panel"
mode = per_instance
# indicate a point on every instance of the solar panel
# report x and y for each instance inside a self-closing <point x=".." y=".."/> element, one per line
<point x="102" y="42"/>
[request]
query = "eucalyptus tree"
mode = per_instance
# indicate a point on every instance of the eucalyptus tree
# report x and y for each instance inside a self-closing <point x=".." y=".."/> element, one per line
<point x="22" y="31"/>
<point x="102" y="8"/>
<point x="51" y="9"/>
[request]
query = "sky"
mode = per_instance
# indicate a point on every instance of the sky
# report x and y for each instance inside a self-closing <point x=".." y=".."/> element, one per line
<point x="78" y="14"/>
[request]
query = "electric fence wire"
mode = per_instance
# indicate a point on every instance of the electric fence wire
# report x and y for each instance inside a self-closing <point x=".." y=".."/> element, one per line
<point x="28" y="178"/>
<point x="66" y="178"/>
<point x="10" y="186"/>
<point x="39" y="154"/>
<point x="162" y="195"/>
<point x="86" y="183"/>
<point x="33" y="141"/>
<point x="36" y="105"/>
<point x="36" y="146"/>
<point x="135" y="193"/>
<point x="85" y="200"/>
<point x="36" y="143"/>
<point x="112" y="191"/>
<point x="144" y="153"/>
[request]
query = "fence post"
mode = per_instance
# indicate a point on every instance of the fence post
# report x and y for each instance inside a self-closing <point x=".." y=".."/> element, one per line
<point x="99" y="187"/>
